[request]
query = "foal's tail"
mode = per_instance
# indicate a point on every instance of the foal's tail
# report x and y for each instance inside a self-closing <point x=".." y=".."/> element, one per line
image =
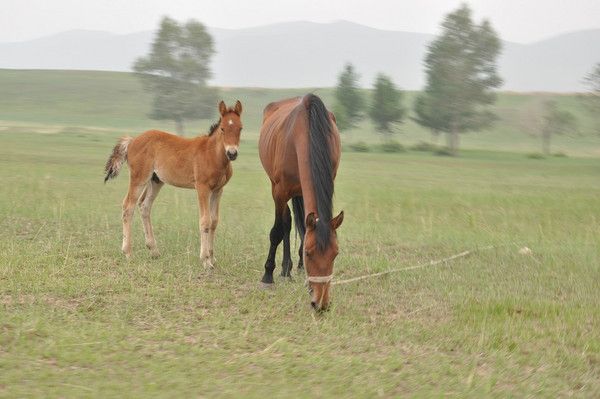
<point x="116" y="159"/>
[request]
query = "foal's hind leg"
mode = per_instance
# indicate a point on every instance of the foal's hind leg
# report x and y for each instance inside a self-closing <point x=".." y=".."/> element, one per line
<point x="135" y="190"/>
<point x="145" y="204"/>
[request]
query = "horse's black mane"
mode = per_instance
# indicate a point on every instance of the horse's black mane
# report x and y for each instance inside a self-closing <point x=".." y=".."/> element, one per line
<point x="321" y="165"/>
<point x="213" y="127"/>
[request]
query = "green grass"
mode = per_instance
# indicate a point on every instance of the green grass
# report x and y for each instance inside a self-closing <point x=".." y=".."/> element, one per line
<point x="78" y="320"/>
<point x="50" y="101"/>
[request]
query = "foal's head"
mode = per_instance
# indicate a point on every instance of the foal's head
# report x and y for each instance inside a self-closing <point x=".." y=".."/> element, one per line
<point x="319" y="258"/>
<point x="230" y="127"/>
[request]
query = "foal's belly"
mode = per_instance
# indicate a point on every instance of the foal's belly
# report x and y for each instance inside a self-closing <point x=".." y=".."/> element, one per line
<point x="182" y="180"/>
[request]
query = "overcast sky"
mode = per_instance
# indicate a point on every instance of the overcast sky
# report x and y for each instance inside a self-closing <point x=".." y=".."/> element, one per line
<point x="522" y="21"/>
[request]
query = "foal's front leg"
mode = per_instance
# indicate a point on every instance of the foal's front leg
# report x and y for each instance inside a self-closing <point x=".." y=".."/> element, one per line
<point x="204" y="205"/>
<point x="215" y="199"/>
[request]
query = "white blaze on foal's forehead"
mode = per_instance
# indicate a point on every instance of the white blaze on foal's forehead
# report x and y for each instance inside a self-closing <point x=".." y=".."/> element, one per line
<point x="230" y="122"/>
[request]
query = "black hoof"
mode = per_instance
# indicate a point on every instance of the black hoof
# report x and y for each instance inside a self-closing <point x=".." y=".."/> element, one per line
<point x="267" y="279"/>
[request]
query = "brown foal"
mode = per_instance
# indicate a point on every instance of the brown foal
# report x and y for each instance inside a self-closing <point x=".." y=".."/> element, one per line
<point x="203" y="163"/>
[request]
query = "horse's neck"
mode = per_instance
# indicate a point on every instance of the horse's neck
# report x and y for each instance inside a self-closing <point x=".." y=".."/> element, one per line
<point x="306" y="181"/>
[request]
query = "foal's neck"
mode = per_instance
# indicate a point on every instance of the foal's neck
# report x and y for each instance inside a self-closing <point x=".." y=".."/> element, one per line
<point x="215" y="151"/>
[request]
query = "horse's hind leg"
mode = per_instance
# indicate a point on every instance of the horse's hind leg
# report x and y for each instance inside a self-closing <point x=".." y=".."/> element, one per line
<point x="301" y="255"/>
<point x="286" y="263"/>
<point x="145" y="204"/>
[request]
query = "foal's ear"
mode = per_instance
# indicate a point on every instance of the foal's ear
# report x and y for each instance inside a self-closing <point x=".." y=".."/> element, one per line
<point x="311" y="221"/>
<point x="238" y="107"/>
<point x="337" y="221"/>
<point x="222" y="108"/>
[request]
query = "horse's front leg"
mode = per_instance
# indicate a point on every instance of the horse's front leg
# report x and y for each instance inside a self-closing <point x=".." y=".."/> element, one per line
<point x="204" y="205"/>
<point x="215" y="199"/>
<point x="276" y="235"/>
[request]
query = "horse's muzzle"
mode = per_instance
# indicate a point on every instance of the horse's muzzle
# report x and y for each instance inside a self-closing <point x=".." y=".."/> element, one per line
<point x="319" y="308"/>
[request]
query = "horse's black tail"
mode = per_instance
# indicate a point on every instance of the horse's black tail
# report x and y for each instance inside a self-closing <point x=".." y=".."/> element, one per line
<point x="117" y="158"/>
<point x="298" y="207"/>
<point x="321" y="164"/>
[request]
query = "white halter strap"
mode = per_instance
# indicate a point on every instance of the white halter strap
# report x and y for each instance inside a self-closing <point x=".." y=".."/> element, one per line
<point x="316" y="279"/>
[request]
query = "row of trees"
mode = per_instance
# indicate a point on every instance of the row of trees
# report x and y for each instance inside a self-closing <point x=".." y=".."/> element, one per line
<point x="461" y="79"/>
<point x="461" y="73"/>
<point x="385" y="108"/>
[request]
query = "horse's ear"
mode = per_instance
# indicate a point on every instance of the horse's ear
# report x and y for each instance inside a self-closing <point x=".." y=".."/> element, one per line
<point x="311" y="221"/>
<point x="222" y="108"/>
<point x="332" y="117"/>
<point x="337" y="221"/>
<point x="238" y="107"/>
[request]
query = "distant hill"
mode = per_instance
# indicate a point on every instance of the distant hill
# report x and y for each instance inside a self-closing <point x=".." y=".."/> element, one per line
<point x="306" y="54"/>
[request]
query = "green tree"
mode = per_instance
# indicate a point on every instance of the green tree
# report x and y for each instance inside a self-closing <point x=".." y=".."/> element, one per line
<point x="176" y="72"/>
<point x="386" y="107"/>
<point x="556" y="121"/>
<point x="350" y="104"/>
<point x="592" y="82"/>
<point x="425" y="116"/>
<point x="461" y="77"/>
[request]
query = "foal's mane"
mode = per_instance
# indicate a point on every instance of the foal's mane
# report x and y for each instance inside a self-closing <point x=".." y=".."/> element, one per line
<point x="213" y="127"/>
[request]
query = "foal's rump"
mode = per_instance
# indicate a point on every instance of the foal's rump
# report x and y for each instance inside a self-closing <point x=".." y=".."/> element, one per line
<point x="153" y="154"/>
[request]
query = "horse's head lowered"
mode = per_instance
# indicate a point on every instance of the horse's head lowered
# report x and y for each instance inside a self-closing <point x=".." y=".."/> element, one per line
<point x="230" y="127"/>
<point x="318" y="259"/>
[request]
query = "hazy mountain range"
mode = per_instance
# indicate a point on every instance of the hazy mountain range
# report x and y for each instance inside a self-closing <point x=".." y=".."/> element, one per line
<point x="306" y="54"/>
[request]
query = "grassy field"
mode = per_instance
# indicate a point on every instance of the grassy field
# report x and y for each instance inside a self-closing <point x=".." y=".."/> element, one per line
<point x="78" y="320"/>
<point x="52" y="101"/>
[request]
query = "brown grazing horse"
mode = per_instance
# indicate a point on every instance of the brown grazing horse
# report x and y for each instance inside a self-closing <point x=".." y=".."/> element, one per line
<point x="299" y="148"/>
<point x="202" y="163"/>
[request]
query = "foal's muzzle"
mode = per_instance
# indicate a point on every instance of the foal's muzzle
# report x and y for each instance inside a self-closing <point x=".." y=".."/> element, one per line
<point x="231" y="154"/>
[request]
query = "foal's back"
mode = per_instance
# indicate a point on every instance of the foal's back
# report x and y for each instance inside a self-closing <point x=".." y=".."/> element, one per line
<point x="172" y="158"/>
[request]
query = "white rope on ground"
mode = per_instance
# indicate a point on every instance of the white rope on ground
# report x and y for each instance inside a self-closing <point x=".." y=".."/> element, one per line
<point x="430" y="263"/>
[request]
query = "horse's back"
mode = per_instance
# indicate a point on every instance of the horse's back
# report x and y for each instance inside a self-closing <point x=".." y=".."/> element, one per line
<point x="275" y="106"/>
<point x="276" y="141"/>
